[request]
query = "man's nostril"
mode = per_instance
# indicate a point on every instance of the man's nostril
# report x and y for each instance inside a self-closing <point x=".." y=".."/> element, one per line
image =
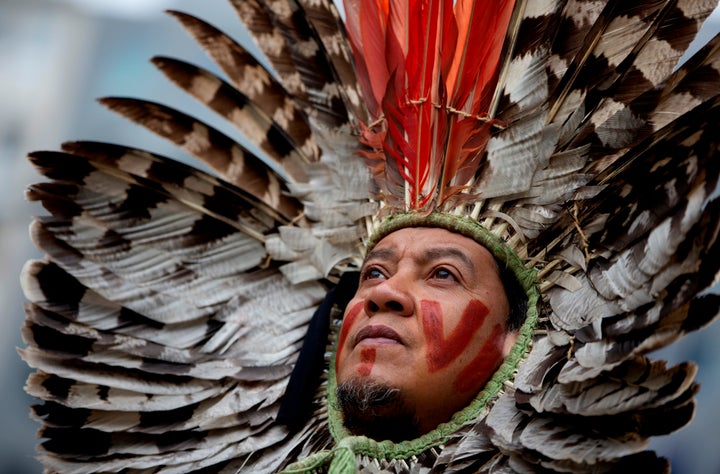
<point x="373" y="306"/>
<point x="394" y="305"/>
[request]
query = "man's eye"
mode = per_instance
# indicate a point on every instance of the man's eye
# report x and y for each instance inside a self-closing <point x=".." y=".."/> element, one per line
<point x="443" y="274"/>
<point x="372" y="274"/>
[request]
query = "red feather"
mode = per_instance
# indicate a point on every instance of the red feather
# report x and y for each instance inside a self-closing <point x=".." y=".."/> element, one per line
<point x="431" y="70"/>
<point x="478" y="51"/>
<point x="471" y="83"/>
<point x="366" y="29"/>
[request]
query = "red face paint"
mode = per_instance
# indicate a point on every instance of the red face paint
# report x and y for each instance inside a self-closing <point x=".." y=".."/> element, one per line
<point x="367" y="359"/>
<point x="484" y="364"/>
<point x="442" y="352"/>
<point x="348" y="322"/>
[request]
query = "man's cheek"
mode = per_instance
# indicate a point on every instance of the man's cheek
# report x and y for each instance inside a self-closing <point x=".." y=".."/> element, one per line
<point x="488" y="358"/>
<point x="442" y="352"/>
<point x="348" y="323"/>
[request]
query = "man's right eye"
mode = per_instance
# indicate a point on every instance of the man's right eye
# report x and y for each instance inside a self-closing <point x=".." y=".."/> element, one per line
<point x="372" y="274"/>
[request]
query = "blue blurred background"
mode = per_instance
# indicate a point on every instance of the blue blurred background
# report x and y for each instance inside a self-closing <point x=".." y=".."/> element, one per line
<point x="56" y="57"/>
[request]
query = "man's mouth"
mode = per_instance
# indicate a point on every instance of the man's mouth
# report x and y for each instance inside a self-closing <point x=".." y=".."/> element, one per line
<point x="378" y="334"/>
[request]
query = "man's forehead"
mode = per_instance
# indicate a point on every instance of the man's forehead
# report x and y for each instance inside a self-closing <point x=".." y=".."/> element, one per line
<point x="426" y="253"/>
<point x="428" y="244"/>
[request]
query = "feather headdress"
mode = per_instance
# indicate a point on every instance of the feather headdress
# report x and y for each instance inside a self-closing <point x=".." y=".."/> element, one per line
<point x="169" y="312"/>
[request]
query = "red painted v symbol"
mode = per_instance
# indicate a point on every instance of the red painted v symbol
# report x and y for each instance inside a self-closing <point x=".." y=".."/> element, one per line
<point x="441" y="352"/>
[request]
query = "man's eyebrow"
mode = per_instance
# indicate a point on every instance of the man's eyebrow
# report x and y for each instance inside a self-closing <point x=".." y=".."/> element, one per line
<point x="445" y="252"/>
<point x="433" y="253"/>
<point x="382" y="254"/>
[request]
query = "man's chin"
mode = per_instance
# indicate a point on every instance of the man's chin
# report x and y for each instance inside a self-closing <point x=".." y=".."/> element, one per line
<point x="377" y="410"/>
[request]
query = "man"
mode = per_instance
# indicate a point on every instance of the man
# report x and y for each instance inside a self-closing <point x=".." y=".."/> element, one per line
<point x="426" y="329"/>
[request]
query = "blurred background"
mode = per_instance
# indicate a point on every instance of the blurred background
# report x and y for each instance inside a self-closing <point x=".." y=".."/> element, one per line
<point x="56" y="58"/>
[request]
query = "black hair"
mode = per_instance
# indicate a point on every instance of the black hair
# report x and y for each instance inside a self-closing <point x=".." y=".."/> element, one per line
<point x="516" y="296"/>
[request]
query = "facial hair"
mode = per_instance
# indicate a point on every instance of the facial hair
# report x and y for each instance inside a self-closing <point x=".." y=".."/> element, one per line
<point x="376" y="410"/>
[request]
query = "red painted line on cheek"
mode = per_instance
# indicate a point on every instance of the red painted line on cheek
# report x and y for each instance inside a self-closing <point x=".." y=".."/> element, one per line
<point x="442" y="352"/>
<point x="479" y="370"/>
<point x="347" y="324"/>
<point x="367" y="360"/>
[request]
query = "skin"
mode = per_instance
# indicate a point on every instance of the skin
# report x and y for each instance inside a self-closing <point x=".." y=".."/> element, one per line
<point x="429" y="318"/>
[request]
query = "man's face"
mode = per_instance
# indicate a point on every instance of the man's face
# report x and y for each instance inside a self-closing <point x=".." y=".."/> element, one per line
<point x="429" y="318"/>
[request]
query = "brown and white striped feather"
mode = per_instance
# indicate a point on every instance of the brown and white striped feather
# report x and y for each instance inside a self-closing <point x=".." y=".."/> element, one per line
<point x="614" y="392"/>
<point x="578" y="444"/>
<point x="240" y="342"/>
<point x="282" y="32"/>
<point x="661" y="250"/>
<point x="604" y="56"/>
<point x="531" y="216"/>
<point x="600" y="46"/>
<point x="94" y="248"/>
<point x="337" y="191"/>
<point x="575" y="21"/>
<point x="135" y="353"/>
<point x="237" y="332"/>
<point x="77" y="304"/>
<point x="85" y="385"/>
<point x="328" y="26"/>
<point x="68" y="333"/>
<point x="125" y="225"/>
<point x="182" y="183"/>
<point x="254" y="81"/>
<point x="232" y="409"/>
<point x="174" y="453"/>
<point x="668" y="162"/>
<point x="695" y="82"/>
<point x="638" y="275"/>
<point x="258" y="18"/>
<point x="240" y="111"/>
<point x="233" y="162"/>
<point x="644" y="69"/>
<point x="610" y="351"/>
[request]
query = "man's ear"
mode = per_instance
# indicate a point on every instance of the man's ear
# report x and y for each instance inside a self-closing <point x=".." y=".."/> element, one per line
<point x="510" y="340"/>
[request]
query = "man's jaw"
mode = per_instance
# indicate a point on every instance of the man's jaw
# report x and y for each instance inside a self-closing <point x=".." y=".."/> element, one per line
<point x="376" y="410"/>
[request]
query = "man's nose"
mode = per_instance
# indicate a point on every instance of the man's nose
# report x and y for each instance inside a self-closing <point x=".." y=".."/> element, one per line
<point x="392" y="296"/>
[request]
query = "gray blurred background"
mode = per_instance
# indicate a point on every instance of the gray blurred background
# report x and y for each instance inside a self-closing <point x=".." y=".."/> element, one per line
<point x="56" y="57"/>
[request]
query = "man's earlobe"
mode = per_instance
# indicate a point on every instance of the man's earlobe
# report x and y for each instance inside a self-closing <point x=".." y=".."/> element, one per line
<point x="509" y="342"/>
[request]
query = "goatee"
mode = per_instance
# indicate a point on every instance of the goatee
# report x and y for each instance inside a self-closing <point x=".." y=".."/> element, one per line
<point x="376" y="410"/>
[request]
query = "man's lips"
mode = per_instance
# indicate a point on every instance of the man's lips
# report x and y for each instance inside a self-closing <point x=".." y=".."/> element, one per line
<point x="378" y="333"/>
